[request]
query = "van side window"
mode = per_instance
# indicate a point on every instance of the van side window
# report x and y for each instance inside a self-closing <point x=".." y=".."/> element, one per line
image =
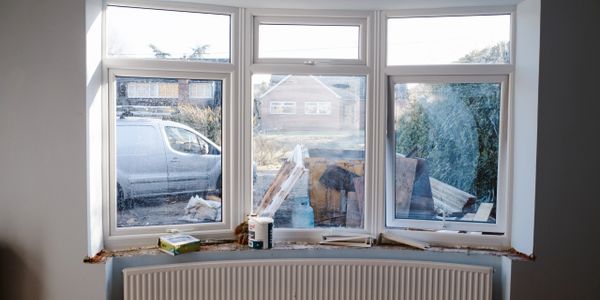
<point x="183" y="140"/>
<point x="138" y="139"/>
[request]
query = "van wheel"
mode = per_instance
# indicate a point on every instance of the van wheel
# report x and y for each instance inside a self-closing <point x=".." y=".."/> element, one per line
<point x="219" y="185"/>
<point x="122" y="203"/>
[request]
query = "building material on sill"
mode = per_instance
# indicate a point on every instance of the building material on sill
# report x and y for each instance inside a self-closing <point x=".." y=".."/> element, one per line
<point x="178" y="244"/>
<point x="347" y="238"/>
<point x="228" y="245"/>
<point x="358" y="240"/>
<point x="346" y="244"/>
<point x="403" y="240"/>
<point x="288" y="175"/>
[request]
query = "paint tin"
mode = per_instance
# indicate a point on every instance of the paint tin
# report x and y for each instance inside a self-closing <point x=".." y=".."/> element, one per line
<point x="260" y="232"/>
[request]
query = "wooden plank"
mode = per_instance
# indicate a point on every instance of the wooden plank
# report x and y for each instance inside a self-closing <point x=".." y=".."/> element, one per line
<point x="326" y="201"/>
<point x="404" y="240"/>
<point x="448" y="197"/>
<point x="483" y="212"/>
<point x="406" y="169"/>
<point x="468" y="217"/>
<point x="288" y="175"/>
<point x="275" y="185"/>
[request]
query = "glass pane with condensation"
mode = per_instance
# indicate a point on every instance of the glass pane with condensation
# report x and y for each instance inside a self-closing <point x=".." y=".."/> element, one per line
<point x="168" y="151"/>
<point x="449" y="40"/>
<point x="165" y="34"/>
<point x="446" y="143"/>
<point x="324" y="118"/>
<point x="309" y="41"/>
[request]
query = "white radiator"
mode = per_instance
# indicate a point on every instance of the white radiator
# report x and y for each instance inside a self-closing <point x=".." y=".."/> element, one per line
<point x="309" y="279"/>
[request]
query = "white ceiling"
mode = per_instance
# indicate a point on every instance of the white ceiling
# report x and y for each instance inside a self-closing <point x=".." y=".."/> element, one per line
<point x="354" y="4"/>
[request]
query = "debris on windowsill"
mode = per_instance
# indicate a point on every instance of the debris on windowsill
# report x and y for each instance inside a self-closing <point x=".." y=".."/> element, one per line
<point x="229" y="245"/>
<point x="178" y="244"/>
<point x="241" y="232"/>
<point x="361" y="240"/>
<point x="403" y="240"/>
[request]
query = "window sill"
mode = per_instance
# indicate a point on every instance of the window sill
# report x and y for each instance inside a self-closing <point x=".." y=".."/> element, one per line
<point x="292" y="246"/>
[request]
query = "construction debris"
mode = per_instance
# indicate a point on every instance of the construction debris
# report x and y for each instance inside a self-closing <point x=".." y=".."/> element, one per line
<point x="360" y="240"/>
<point x="414" y="197"/>
<point x="404" y="240"/>
<point x="288" y="175"/>
<point x="199" y="210"/>
<point x="336" y="190"/>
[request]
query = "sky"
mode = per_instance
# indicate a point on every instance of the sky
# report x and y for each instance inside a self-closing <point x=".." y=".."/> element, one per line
<point x="442" y="40"/>
<point x="294" y="41"/>
<point x="131" y="30"/>
<point x="422" y="40"/>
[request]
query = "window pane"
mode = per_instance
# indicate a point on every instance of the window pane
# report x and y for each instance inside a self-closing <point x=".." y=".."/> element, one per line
<point x="308" y="41"/>
<point x="446" y="142"/>
<point x="330" y="193"/>
<point x="164" y="34"/>
<point x="447" y="40"/>
<point x="282" y="108"/>
<point x="317" y="108"/>
<point x="167" y="152"/>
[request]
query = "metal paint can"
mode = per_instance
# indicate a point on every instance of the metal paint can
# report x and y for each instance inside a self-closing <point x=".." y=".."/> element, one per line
<point x="260" y="232"/>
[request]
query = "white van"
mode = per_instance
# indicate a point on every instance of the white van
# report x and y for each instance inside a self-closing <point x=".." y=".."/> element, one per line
<point x="160" y="158"/>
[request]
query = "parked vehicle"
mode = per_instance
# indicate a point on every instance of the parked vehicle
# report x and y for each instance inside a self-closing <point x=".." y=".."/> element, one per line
<point x="160" y="158"/>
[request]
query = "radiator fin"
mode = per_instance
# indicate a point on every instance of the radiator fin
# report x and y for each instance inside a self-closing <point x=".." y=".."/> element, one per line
<point x="331" y="279"/>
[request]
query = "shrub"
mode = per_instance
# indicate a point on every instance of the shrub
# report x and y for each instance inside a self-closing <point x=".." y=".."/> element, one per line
<point x="206" y="120"/>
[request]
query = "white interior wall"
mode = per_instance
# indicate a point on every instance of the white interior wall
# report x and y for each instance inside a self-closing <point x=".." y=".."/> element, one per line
<point x="567" y="202"/>
<point x="525" y="107"/>
<point x="42" y="152"/>
<point x="42" y="155"/>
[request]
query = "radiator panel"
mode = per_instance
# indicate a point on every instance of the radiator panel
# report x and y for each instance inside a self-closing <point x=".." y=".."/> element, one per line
<point x="329" y="279"/>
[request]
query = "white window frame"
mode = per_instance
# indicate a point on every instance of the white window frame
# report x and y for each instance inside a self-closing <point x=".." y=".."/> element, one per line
<point x="302" y="17"/>
<point x="319" y="105"/>
<point x="232" y="214"/>
<point x="362" y="67"/>
<point x="425" y="230"/>
<point x="237" y="114"/>
<point x="273" y="104"/>
<point x="502" y="187"/>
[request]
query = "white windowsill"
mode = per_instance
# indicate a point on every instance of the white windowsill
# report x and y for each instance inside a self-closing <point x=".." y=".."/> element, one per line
<point x="228" y="246"/>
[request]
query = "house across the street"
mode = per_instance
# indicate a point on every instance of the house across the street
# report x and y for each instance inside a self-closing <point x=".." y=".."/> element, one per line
<point x="306" y="103"/>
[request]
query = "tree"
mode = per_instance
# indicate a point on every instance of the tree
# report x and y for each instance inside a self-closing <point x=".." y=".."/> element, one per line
<point x="496" y="54"/>
<point x="158" y="53"/>
<point x="206" y="120"/>
<point x="455" y="127"/>
<point x="198" y="52"/>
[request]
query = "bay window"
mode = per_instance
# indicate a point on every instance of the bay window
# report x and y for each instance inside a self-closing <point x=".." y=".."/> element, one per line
<point x="403" y="119"/>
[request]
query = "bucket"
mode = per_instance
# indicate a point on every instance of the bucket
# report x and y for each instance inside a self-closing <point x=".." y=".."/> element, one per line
<point x="260" y="232"/>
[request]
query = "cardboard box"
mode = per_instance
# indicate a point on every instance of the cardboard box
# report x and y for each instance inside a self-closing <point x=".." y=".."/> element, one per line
<point x="178" y="244"/>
